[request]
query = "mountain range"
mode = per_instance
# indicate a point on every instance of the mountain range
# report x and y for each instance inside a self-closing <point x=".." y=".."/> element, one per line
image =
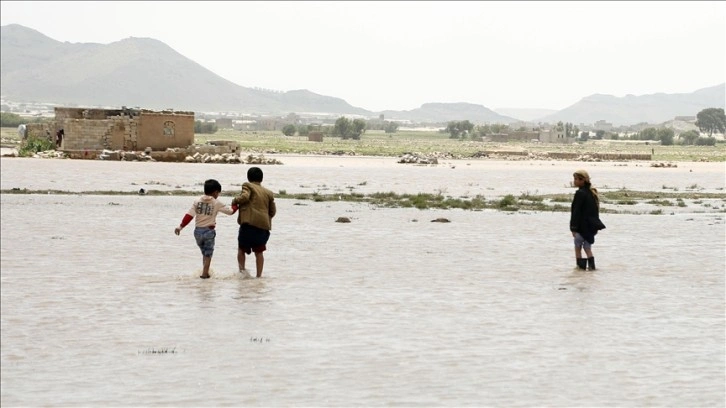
<point x="148" y="73"/>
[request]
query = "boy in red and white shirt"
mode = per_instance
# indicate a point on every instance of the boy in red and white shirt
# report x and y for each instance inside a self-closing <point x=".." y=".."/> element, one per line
<point x="205" y="209"/>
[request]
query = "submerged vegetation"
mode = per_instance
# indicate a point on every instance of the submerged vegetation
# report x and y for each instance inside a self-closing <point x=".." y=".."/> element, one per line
<point x="613" y="202"/>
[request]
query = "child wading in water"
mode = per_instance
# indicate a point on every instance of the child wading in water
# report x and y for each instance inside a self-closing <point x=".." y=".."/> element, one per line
<point x="205" y="209"/>
<point x="256" y="209"/>
<point x="585" y="219"/>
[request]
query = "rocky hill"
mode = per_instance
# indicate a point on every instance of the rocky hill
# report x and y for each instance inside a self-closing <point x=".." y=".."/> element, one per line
<point x="134" y="72"/>
<point x="444" y="112"/>
<point x="631" y="109"/>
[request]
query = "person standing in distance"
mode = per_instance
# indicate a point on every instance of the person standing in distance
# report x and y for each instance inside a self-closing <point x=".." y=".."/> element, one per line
<point x="585" y="219"/>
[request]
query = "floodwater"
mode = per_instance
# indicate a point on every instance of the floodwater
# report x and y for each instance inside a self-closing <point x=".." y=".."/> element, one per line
<point x="102" y="304"/>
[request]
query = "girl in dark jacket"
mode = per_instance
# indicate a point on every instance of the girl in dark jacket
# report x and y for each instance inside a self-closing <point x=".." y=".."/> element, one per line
<point x="585" y="219"/>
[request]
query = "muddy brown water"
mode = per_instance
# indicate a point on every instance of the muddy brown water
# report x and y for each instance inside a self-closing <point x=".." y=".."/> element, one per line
<point x="102" y="304"/>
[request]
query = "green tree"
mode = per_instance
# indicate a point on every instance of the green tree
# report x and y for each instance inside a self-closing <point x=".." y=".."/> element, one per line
<point x="711" y="120"/>
<point x="458" y="129"/>
<point x="568" y="130"/>
<point x="647" y="134"/>
<point x="466" y="127"/>
<point x="689" y="138"/>
<point x="342" y="124"/>
<point x="288" y="130"/>
<point x="357" y="128"/>
<point x="599" y="134"/>
<point x="584" y="135"/>
<point x="204" y="127"/>
<point x="8" y="119"/>
<point x="666" y="136"/>
<point x="482" y="130"/>
<point x="498" y="128"/>
<point x="303" y="130"/>
<point x="348" y="129"/>
<point x="453" y="129"/>
<point x="706" y="141"/>
<point x="391" y="127"/>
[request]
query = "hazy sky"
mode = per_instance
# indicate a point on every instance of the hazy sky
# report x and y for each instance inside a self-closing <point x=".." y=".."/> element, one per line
<point x="399" y="55"/>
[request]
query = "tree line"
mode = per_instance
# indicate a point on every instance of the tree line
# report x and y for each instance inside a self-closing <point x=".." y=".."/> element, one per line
<point x="14" y="120"/>
<point x="205" y="127"/>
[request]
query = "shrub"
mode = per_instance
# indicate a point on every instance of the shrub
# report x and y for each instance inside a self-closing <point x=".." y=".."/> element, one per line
<point x="204" y="127"/>
<point x="289" y="130"/>
<point x="507" y="201"/>
<point x="34" y="145"/>
<point x="706" y="141"/>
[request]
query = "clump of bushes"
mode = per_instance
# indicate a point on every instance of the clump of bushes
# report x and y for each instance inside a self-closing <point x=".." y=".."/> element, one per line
<point x="34" y="145"/>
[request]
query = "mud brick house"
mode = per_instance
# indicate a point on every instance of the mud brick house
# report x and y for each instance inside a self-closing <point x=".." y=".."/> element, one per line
<point x="120" y="129"/>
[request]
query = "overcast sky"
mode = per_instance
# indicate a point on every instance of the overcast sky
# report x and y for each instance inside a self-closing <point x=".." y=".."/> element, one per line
<point x="399" y="55"/>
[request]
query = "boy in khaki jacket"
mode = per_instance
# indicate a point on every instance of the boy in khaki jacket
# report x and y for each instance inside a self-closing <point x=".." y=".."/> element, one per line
<point x="256" y="209"/>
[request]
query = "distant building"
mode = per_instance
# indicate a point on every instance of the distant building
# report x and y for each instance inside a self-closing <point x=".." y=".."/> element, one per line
<point x="685" y="118"/>
<point x="555" y="136"/>
<point x="224" y="123"/>
<point x="118" y="129"/>
<point x="315" y="136"/>
<point x="269" y="123"/>
<point x="603" y="125"/>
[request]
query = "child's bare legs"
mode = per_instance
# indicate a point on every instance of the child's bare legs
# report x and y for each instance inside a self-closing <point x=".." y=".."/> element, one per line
<point x="259" y="263"/>
<point x="206" y="261"/>
<point x="241" y="259"/>
<point x="588" y="252"/>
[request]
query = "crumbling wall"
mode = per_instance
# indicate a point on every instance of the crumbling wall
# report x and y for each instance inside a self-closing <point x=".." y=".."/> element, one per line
<point x="120" y="129"/>
<point x="81" y="134"/>
<point x="62" y="114"/>
<point x="41" y="130"/>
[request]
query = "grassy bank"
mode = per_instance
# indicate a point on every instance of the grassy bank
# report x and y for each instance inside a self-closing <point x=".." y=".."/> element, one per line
<point x="378" y="143"/>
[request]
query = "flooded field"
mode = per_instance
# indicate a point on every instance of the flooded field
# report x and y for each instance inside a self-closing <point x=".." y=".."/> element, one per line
<point x="102" y="305"/>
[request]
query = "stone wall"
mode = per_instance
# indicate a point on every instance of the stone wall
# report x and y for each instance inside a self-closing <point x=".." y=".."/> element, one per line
<point x="41" y="130"/>
<point x="162" y="130"/>
<point x="555" y="136"/>
<point x="515" y="136"/>
<point x="85" y="134"/>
